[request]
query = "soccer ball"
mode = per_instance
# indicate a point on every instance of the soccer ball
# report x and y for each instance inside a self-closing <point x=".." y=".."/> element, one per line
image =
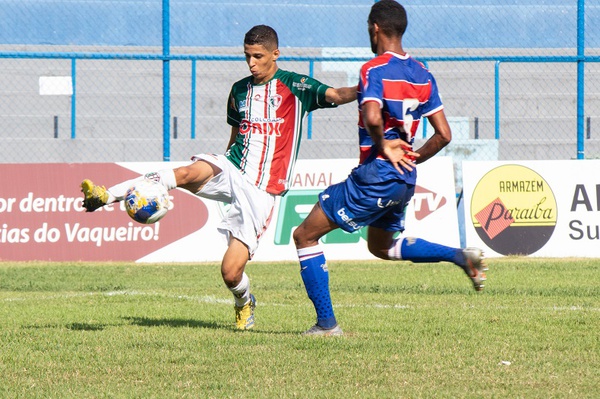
<point x="147" y="201"/>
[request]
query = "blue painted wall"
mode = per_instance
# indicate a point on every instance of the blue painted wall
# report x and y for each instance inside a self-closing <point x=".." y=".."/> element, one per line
<point x="300" y="23"/>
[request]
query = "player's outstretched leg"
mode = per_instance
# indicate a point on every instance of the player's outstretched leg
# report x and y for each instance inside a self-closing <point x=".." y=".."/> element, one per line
<point x="244" y="315"/>
<point x="475" y="267"/>
<point x="417" y="250"/>
<point x="94" y="197"/>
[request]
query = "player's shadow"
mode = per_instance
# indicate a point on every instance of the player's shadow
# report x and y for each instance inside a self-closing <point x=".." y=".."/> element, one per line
<point x="75" y="326"/>
<point x="86" y="326"/>
<point x="190" y="323"/>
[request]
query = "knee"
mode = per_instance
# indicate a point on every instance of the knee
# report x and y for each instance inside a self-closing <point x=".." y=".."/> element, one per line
<point x="377" y="250"/>
<point x="298" y="236"/>
<point x="302" y="239"/>
<point x="231" y="278"/>
<point x="182" y="175"/>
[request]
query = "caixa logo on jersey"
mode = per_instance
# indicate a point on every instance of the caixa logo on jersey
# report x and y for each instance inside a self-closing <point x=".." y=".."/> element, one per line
<point x="263" y="126"/>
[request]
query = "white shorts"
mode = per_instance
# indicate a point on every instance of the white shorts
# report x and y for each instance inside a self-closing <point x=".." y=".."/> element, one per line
<point x="251" y="208"/>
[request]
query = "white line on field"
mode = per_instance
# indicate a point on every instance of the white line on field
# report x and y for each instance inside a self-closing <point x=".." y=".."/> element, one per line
<point x="214" y="300"/>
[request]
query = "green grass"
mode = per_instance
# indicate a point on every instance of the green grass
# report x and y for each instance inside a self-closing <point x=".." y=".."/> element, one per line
<point x="84" y="330"/>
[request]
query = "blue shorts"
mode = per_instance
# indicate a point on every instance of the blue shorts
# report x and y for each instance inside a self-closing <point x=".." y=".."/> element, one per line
<point x="355" y="203"/>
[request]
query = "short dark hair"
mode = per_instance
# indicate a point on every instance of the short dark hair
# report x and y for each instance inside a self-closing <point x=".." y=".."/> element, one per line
<point x="390" y="16"/>
<point x="263" y="35"/>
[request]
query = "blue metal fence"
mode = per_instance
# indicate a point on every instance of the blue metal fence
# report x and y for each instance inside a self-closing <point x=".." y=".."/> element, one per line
<point x="135" y="23"/>
<point x="463" y="23"/>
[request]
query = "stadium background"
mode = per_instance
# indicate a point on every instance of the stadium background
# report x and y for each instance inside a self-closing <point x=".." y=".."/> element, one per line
<point x="112" y="81"/>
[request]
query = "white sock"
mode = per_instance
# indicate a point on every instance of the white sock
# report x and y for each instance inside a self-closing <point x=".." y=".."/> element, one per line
<point x="119" y="191"/>
<point x="166" y="177"/>
<point x="395" y="253"/>
<point x="241" y="292"/>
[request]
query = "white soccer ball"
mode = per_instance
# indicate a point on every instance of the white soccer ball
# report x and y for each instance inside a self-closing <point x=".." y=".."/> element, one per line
<point x="147" y="201"/>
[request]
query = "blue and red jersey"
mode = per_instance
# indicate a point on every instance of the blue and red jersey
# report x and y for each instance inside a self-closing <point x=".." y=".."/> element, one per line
<point x="406" y="91"/>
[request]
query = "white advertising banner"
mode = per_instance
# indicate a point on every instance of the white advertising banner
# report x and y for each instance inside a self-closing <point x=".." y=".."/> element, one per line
<point x="431" y="215"/>
<point x="537" y="208"/>
<point x="44" y="220"/>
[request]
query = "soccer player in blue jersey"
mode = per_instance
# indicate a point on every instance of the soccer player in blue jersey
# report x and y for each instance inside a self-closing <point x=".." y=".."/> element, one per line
<point x="394" y="92"/>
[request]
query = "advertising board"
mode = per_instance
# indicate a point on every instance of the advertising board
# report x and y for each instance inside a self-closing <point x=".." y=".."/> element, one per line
<point x="41" y="216"/>
<point x="537" y="208"/>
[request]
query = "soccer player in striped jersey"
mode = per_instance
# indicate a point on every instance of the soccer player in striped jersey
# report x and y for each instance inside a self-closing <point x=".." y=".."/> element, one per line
<point x="265" y="112"/>
<point x="394" y="93"/>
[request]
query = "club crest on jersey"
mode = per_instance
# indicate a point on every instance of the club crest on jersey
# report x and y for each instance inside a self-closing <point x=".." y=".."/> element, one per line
<point x="242" y="105"/>
<point x="275" y="101"/>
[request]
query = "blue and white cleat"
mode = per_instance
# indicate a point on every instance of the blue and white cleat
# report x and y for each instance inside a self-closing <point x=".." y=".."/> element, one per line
<point x="317" y="330"/>
<point x="475" y="267"/>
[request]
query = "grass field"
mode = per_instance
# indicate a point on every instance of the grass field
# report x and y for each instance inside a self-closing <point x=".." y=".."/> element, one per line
<point x="83" y="330"/>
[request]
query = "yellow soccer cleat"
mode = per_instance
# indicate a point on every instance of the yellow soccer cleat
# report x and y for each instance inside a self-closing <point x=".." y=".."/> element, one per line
<point x="244" y="316"/>
<point x="94" y="196"/>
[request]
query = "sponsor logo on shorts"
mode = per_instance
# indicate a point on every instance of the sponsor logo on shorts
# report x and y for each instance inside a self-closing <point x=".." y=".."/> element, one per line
<point x="347" y="219"/>
<point x="389" y="203"/>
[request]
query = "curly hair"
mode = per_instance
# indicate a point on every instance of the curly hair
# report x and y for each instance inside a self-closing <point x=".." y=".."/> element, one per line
<point x="390" y="16"/>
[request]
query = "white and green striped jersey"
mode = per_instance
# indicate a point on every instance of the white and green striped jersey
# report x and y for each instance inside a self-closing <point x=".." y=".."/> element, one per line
<point x="269" y="117"/>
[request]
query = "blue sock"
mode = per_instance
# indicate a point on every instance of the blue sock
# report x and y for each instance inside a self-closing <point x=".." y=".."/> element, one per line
<point x="421" y="251"/>
<point x="313" y="269"/>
